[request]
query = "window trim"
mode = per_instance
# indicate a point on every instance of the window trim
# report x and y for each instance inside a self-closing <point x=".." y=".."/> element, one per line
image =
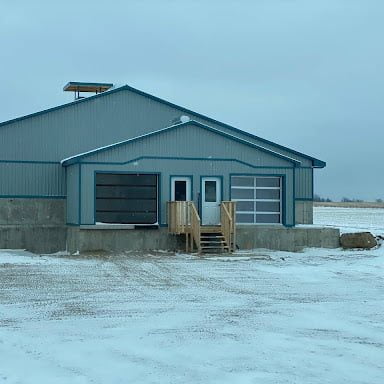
<point x="186" y="178"/>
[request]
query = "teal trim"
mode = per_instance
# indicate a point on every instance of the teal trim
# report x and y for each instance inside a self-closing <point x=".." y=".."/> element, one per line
<point x="283" y="190"/>
<point x="181" y="158"/>
<point x="77" y="158"/>
<point x="313" y="185"/>
<point x="79" y="213"/>
<point x="316" y="162"/>
<point x="158" y="174"/>
<point x="294" y="200"/>
<point x="72" y="224"/>
<point x="29" y="162"/>
<point x="32" y="197"/>
<point x="303" y="199"/>
<point x="284" y="200"/>
<point x="94" y="197"/>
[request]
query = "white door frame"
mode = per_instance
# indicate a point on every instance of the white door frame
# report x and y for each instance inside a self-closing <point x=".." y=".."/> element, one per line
<point x="188" y="180"/>
<point x="210" y="210"/>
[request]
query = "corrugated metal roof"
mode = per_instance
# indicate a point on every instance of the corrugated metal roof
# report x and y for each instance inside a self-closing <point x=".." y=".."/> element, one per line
<point x="316" y="162"/>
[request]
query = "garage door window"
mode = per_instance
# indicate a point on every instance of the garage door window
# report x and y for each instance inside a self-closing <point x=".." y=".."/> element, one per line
<point x="126" y="198"/>
<point x="258" y="199"/>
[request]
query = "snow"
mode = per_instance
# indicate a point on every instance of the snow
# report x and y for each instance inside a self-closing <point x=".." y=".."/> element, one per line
<point x="351" y="219"/>
<point x="185" y="118"/>
<point x="253" y="317"/>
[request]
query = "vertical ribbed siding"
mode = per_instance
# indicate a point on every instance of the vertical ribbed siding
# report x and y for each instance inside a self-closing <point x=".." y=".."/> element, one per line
<point x="192" y="141"/>
<point x="304" y="183"/>
<point x="86" y="125"/>
<point x="167" y="168"/>
<point x="73" y="195"/>
<point x="32" y="179"/>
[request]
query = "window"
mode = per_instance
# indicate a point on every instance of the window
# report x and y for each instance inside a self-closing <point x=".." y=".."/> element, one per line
<point x="258" y="199"/>
<point x="210" y="191"/>
<point x="181" y="188"/>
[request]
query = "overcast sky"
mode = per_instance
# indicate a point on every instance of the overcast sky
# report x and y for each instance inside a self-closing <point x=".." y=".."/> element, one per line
<point x="307" y="74"/>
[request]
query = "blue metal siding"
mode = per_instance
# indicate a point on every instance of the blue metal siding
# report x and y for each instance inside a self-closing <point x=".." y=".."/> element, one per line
<point x="85" y="125"/>
<point x="168" y="167"/>
<point x="188" y="141"/>
<point x="81" y="127"/>
<point x="32" y="180"/>
<point x="73" y="195"/>
<point x="304" y="183"/>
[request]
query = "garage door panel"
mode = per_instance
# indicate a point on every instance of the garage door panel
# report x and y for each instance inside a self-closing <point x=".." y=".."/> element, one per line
<point x="125" y="192"/>
<point x="125" y="179"/>
<point x="126" y="218"/>
<point x="126" y="198"/>
<point x="258" y="199"/>
<point x="126" y="205"/>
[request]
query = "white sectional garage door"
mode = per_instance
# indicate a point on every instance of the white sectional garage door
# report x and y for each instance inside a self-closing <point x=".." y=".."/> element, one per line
<point x="258" y="199"/>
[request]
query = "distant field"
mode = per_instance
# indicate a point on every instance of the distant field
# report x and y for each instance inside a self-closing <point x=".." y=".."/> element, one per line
<point x="353" y="204"/>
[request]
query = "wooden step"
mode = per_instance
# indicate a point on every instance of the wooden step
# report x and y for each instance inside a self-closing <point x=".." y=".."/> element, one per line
<point x="214" y="247"/>
<point x="210" y="229"/>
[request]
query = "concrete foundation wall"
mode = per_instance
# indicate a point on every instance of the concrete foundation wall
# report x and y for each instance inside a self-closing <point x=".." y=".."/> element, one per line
<point x="50" y="239"/>
<point x="81" y="240"/>
<point x="37" y="225"/>
<point x="32" y="211"/>
<point x="270" y="237"/>
<point x="304" y="212"/>
<point x="34" y="238"/>
<point x="287" y="239"/>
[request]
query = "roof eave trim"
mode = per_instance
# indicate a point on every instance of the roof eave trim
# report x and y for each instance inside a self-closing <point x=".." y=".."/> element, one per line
<point x="158" y="99"/>
<point x="318" y="163"/>
<point x="88" y="98"/>
<point x="77" y="158"/>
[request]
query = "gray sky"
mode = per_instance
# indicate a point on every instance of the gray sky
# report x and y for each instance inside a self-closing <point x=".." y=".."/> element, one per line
<point x="307" y="74"/>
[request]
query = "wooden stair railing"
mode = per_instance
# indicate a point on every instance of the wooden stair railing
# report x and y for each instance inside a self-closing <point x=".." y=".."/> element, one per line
<point x="195" y="227"/>
<point x="228" y="223"/>
<point x="178" y="217"/>
<point x="183" y="218"/>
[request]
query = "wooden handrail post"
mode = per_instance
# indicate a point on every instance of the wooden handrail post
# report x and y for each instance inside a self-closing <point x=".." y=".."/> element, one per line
<point x="228" y="223"/>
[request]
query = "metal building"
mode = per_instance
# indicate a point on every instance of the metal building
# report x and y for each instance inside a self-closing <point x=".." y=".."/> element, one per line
<point x="119" y="156"/>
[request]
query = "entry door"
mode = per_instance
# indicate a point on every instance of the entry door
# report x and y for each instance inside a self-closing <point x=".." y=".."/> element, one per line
<point x="210" y="200"/>
<point x="181" y="188"/>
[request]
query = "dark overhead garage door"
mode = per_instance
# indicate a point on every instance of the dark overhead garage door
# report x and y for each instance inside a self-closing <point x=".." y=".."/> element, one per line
<point x="126" y="198"/>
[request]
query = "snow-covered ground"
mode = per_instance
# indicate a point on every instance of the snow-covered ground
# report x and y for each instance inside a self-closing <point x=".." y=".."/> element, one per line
<point x="256" y="317"/>
<point x="351" y="219"/>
